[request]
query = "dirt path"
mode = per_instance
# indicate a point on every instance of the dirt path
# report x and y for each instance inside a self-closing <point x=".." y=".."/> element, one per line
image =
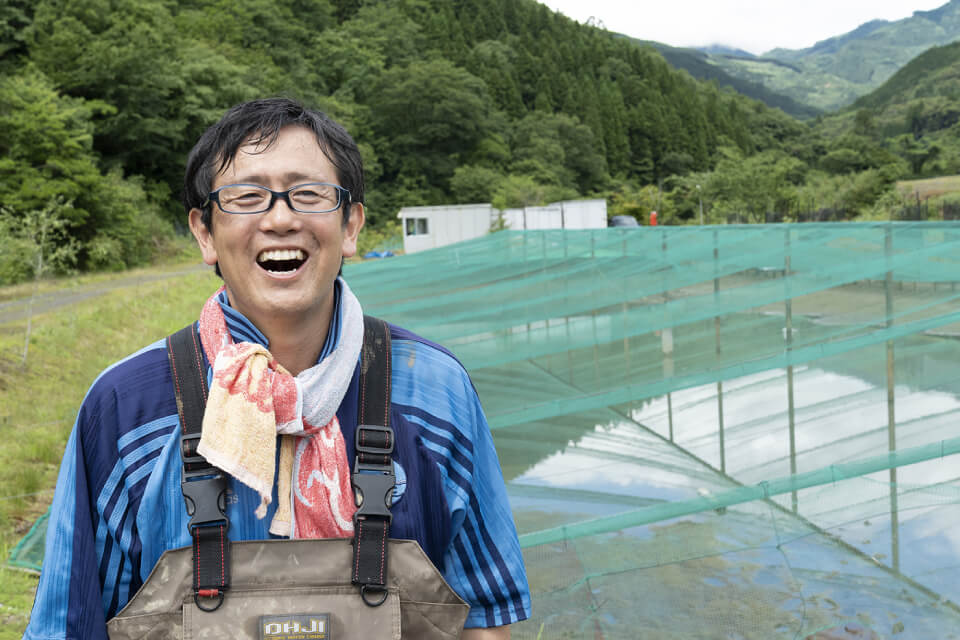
<point x="19" y="308"/>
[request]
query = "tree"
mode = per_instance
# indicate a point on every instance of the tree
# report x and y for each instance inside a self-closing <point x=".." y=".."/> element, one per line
<point x="15" y="16"/>
<point x="47" y="157"/>
<point x="433" y="114"/>
<point x="916" y="151"/>
<point x="42" y="232"/>
<point x="557" y="149"/>
<point x="473" y="183"/>
<point x="148" y="88"/>
<point x="524" y="191"/>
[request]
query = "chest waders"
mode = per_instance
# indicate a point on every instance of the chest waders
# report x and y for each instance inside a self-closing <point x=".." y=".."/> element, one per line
<point x="329" y="589"/>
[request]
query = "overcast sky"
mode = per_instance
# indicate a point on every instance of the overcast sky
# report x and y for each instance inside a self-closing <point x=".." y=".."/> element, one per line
<point x="754" y="25"/>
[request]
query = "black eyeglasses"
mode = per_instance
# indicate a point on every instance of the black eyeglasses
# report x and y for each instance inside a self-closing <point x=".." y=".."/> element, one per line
<point x="312" y="197"/>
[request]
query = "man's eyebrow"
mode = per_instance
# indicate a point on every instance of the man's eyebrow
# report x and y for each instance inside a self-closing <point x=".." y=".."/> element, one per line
<point x="293" y="176"/>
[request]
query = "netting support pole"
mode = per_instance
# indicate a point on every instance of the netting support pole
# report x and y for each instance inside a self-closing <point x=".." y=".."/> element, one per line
<point x="891" y="414"/>
<point x="596" y="352"/>
<point x="716" y="331"/>
<point x="667" y="357"/>
<point x="670" y="415"/>
<point x="788" y="337"/>
<point x="526" y="236"/>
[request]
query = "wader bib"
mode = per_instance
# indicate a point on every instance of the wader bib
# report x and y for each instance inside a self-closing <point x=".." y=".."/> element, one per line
<point x="329" y="589"/>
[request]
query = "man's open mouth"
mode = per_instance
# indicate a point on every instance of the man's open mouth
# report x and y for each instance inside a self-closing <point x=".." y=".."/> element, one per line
<point x="281" y="261"/>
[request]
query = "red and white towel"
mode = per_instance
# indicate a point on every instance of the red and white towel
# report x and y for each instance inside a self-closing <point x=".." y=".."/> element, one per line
<point x="253" y="399"/>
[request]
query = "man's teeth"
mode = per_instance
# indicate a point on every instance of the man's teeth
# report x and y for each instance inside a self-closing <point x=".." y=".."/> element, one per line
<point x="281" y="254"/>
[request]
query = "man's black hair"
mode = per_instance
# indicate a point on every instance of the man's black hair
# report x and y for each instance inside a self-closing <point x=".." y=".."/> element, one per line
<point x="260" y="121"/>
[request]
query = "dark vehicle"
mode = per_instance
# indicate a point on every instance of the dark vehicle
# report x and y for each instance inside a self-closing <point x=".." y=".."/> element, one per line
<point x="623" y="221"/>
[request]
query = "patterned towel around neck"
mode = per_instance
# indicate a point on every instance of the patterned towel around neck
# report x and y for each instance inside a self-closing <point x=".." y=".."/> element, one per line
<point x="253" y="399"/>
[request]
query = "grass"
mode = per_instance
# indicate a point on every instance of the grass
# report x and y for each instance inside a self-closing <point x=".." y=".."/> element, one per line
<point x="178" y="252"/>
<point x="929" y="187"/>
<point x="69" y="346"/>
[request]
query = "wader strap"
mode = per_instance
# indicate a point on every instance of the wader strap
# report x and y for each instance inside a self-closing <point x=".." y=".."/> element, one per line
<point x="373" y="478"/>
<point x="204" y="486"/>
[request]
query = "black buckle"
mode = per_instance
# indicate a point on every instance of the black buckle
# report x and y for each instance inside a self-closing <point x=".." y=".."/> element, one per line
<point x="367" y="486"/>
<point x="206" y="500"/>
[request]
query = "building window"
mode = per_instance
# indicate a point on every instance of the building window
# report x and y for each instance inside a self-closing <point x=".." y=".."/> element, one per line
<point x="417" y="226"/>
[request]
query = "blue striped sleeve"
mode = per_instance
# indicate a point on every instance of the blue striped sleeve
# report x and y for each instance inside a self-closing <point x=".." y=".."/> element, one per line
<point x="482" y="561"/>
<point x="65" y="562"/>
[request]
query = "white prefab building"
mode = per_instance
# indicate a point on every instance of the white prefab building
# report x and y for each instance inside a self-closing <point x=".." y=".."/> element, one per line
<point x="430" y="227"/>
<point x="569" y="214"/>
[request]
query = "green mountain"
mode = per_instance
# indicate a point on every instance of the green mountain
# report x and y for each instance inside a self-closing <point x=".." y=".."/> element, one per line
<point x="702" y="65"/>
<point x="835" y="72"/>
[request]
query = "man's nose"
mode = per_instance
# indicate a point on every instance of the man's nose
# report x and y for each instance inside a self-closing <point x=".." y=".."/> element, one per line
<point x="281" y="216"/>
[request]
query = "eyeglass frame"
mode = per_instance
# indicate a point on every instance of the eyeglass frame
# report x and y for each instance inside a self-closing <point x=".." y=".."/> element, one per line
<point x="343" y="197"/>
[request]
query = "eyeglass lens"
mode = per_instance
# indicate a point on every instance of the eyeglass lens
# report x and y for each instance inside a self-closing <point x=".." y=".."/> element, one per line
<point x="306" y="198"/>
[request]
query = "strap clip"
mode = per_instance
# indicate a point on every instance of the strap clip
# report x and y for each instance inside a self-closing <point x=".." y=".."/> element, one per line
<point x="206" y="500"/>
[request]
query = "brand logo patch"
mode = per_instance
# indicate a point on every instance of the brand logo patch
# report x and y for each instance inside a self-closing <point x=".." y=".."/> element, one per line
<point x="298" y="626"/>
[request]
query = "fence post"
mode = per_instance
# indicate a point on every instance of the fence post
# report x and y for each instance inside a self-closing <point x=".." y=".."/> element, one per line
<point x="891" y="413"/>
<point x="788" y="336"/>
<point x="716" y="332"/>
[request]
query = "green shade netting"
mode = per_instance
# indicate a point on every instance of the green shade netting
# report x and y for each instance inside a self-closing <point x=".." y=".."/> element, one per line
<point x="713" y="432"/>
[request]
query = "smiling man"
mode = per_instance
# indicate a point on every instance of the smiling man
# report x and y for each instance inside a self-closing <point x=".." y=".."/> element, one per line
<point x="138" y="546"/>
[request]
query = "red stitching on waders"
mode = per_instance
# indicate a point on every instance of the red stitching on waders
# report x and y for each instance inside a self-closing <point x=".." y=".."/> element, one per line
<point x="199" y="360"/>
<point x="363" y="396"/>
<point x="176" y="378"/>
<point x="383" y="548"/>
<point x="356" y="569"/>
<point x="386" y="386"/>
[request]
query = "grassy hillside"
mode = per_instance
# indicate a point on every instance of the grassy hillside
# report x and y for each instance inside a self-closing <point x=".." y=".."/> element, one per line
<point x="69" y="346"/>
<point x="816" y="89"/>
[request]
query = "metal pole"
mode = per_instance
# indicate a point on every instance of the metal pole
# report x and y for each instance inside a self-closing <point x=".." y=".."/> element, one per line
<point x="596" y="352"/>
<point x="668" y="357"/>
<point x="716" y="332"/>
<point x="670" y="415"/>
<point x="789" y="339"/>
<point x="891" y="413"/>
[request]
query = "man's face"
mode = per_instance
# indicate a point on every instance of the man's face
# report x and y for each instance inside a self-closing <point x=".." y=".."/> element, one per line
<point x="303" y="250"/>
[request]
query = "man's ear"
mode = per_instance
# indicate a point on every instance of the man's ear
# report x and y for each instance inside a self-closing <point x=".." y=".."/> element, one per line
<point x="203" y="235"/>
<point x="352" y="229"/>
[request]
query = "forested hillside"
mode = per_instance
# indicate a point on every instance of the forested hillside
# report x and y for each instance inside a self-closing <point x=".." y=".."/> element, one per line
<point x="915" y="113"/>
<point x="473" y="100"/>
